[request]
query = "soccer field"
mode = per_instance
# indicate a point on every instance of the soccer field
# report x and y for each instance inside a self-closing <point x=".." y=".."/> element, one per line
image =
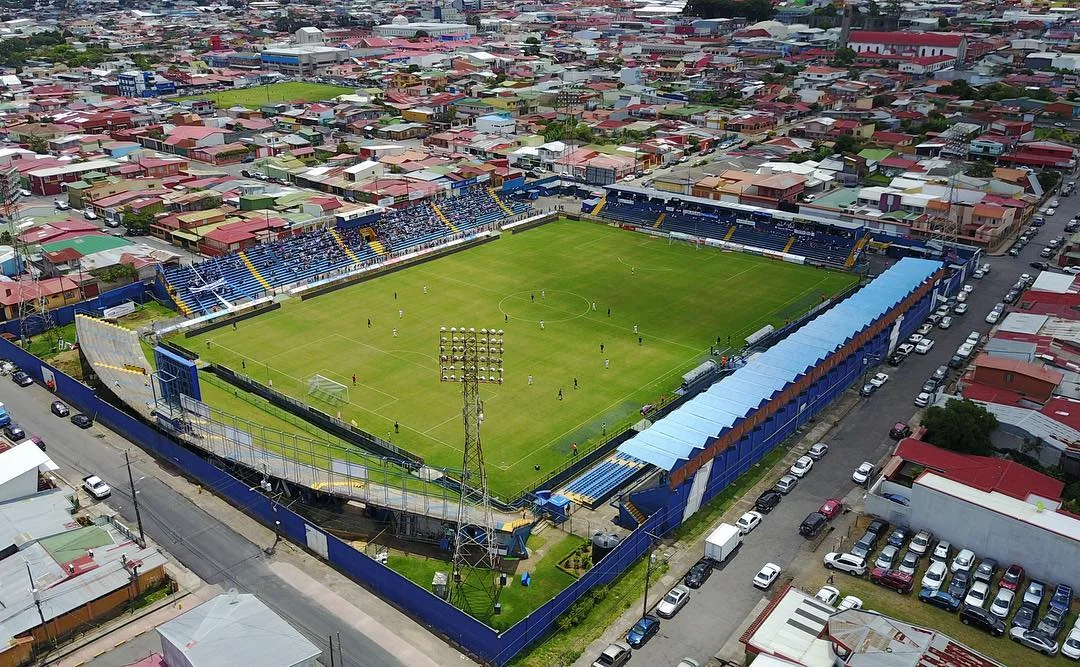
<point x="679" y="299"/>
<point x="272" y="94"/>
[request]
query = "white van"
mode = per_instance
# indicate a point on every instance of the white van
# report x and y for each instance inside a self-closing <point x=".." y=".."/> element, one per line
<point x="965" y="350"/>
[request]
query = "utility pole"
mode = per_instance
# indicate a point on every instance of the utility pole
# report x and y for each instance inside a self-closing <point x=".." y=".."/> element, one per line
<point x="648" y="573"/>
<point x="135" y="499"/>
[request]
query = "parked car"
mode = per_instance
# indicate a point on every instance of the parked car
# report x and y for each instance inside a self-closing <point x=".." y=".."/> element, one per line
<point x="95" y="487"/>
<point x="1034" y="640"/>
<point x="878" y="526"/>
<point x="615" y="655"/>
<point x="909" y="563"/>
<point x="886" y="558"/>
<point x="850" y="602"/>
<point x="894" y="579"/>
<point x="963" y="560"/>
<point x="960" y="309"/>
<point x="939" y="599"/>
<point x="977" y="594"/>
<point x="769" y="499"/>
<point x="1013" y="577"/>
<point x="863" y="473"/>
<point x="802" y="466"/>
<point x="831" y="508"/>
<point x="977" y="617"/>
<point x="942" y="551"/>
<point x="865" y="544"/>
<point x="59" y="409"/>
<point x="1002" y="604"/>
<point x="930" y="386"/>
<point x="81" y="420"/>
<point x="698" y="574"/>
<point x="1070" y="648"/>
<point x="899" y="431"/>
<point x="845" y="562"/>
<point x="766" y="575"/>
<point x="898" y="536"/>
<point x="1062" y="598"/>
<point x="1025" y="616"/>
<point x="818" y="451"/>
<point x="958" y="585"/>
<point x="675" y="599"/>
<point x="644" y="630"/>
<point x="812" y="525"/>
<point x="748" y="521"/>
<point x="1051" y="623"/>
<point x="934" y="577"/>
<point x="1034" y="593"/>
<point x="828" y="594"/>
<point x="14" y="432"/>
<point x="986" y="570"/>
<point x="922" y="399"/>
<point x="879" y="379"/>
<point x="921" y="542"/>
<point x="786" y="483"/>
<point x="926" y="344"/>
<point x="22" y="379"/>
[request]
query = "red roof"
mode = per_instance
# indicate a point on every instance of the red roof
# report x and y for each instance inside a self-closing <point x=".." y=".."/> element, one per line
<point x="1063" y="410"/>
<point x="906" y="38"/>
<point x="981" y="472"/>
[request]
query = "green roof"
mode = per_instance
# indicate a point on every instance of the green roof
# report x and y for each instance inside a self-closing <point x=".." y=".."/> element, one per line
<point x="839" y="198"/>
<point x="73" y="544"/>
<point x="875" y="154"/>
<point x="88" y="244"/>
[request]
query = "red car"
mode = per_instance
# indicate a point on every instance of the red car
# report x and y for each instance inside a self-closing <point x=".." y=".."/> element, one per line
<point x="900" y="582"/>
<point x="831" y="508"/>
<point x="1013" y="577"/>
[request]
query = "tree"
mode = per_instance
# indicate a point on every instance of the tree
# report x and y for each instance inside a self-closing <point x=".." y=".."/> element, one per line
<point x="532" y="40"/>
<point x="844" y="56"/>
<point x="942" y="23"/>
<point x="422" y="34"/>
<point x="138" y="223"/>
<point x="981" y="169"/>
<point x="343" y="147"/>
<point x="1048" y="179"/>
<point x="961" y="426"/>
<point x="115" y="273"/>
<point x="846" y="143"/>
<point x="38" y="144"/>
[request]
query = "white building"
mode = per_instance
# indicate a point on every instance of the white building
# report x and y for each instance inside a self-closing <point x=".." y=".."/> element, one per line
<point x="400" y="27"/>
<point x="496" y="124"/>
<point x="310" y="35"/>
<point x="19" y="467"/>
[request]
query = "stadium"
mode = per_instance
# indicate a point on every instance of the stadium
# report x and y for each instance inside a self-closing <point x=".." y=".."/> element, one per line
<point x="656" y="347"/>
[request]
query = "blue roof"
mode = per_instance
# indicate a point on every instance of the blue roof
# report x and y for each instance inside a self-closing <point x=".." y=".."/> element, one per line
<point x="685" y="432"/>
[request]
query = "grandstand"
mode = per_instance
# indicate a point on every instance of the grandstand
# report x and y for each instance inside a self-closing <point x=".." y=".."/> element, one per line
<point x="829" y="242"/>
<point x="597" y="483"/>
<point x="248" y="274"/>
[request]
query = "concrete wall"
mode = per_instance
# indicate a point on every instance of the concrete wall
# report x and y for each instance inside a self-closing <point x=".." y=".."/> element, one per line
<point x="1046" y="556"/>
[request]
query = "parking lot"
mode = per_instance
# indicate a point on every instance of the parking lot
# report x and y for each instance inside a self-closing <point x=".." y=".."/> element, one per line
<point x="715" y="611"/>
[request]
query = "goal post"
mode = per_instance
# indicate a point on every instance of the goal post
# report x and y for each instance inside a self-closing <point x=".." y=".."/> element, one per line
<point x="327" y="390"/>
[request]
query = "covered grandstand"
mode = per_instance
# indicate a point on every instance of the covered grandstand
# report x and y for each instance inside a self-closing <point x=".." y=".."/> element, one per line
<point x="714" y="437"/>
<point x="795" y="236"/>
<point x="351" y="243"/>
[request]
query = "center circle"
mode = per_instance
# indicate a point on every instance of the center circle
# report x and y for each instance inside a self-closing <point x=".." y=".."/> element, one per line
<point x="547" y="305"/>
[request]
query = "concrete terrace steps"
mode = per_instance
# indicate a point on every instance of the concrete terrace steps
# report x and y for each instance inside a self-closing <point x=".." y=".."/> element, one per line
<point x="378" y="247"/>
<point x="504" y="207"/>
<point x="446" y="220"/>
<point x="341" y="244"/>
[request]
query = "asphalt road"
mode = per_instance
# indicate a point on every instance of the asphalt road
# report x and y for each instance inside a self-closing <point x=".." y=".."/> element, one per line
<point x="200" y="541"/>
<point x="716" y="610"/>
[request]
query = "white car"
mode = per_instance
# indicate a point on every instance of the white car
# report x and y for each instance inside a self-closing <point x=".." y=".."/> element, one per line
<point x="961" y="297"/>
<point x="95" y="487"/>
<point x="845" y="562"/>
<point x="923" y="399"/>
<point x="960" y="309"/>
<point x="1002" y="603"/>
<point x="850" y="602"/>
<point x="879" y="379"/>
<point x="925" y="329"/>
<point x="862" y="474"/>
<point x="925" y="345"/>
<point x="967" y="289"/>
<point x="1071" y="270"/>
<point x="945" y="322"/>
<point x="977" y="594"/>
<point x="914" y="339"/>
<point x="89" y="214"/>
<point x="1051" y="211"/>
<point x="963" y="561"/>
<point x="802" y="466"/>
<point x="934" y="577"/>
<point x="673" y="601"/>
<point x="766" y="575"/>
<point x="993" y="316"/>
<point x="1025" y="277"/>
<point x="828" y="594"/>
<point x="747" y="522"/>
<point x="1070" y="648"/>
<point x="974" y="337"/>
<point x="978" y="274"/>
<point x="818" y="451"/>
<point x="904" y="349"/>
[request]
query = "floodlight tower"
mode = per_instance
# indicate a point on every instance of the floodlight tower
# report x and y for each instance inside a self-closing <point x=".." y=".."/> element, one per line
<point x="32" y="306"/>
<point x="471" y="358"/>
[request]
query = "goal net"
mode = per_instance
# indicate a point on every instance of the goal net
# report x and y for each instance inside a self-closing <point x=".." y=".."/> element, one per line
<point x="325" y="389"/>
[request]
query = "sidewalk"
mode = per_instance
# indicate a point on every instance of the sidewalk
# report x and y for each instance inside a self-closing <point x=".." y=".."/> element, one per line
<point x="681" y="555"/>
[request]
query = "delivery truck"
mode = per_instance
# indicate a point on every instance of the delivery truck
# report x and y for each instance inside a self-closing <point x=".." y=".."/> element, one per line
<point x="722" y="542"/>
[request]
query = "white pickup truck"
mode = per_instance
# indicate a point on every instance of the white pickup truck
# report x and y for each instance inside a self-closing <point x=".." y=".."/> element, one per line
<point x="95" y="487"/>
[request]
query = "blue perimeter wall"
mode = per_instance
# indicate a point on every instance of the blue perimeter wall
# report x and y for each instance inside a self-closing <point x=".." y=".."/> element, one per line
<point x="461" y="629"/>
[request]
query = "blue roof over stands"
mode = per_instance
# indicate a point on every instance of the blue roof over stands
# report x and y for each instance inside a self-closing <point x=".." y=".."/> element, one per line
<point x="686" y="431"/>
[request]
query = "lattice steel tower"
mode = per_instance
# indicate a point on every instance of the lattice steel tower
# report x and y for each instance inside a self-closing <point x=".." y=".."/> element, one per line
<point x="470" y="358"/>
<point x="33" y="309"/>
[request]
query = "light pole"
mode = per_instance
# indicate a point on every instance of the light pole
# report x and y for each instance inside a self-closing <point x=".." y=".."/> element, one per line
<point x="135" y="500"/>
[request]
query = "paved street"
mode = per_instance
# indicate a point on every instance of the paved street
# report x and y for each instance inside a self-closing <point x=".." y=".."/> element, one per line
<point x="715" y="611"/>
<point x="208" y="545"/>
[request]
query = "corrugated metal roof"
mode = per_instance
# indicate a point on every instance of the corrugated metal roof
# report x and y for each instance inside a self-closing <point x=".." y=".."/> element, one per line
<point x="679" y="436"/>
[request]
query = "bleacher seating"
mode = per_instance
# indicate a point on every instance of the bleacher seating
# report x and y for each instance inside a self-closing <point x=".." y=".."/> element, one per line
<point x="695" y="225"/>
<point x="220" y="281"/>
<point x="637" y="213"/>
<point x="826" y="248"/>
<point x="601" y="480"/>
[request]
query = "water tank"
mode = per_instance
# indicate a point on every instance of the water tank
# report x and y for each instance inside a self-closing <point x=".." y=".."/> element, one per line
<point x="602" y="544"/>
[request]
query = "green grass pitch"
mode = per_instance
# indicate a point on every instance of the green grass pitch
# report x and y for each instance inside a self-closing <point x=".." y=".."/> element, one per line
<point x="679" y="299"/>
<point x="256" y="96"/>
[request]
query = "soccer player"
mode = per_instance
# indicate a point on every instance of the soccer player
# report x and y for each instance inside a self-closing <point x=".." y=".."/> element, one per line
<point x="639" y="340"/>
<point x="543" y="294"/>
<point x="541" y="325"/>
<point x="354" y="378"/>
<point x="400" y="313"/>
<point x="601" y="348"/>
<point x="635" y="328"/>
<point x="530" y="379"/>
<point x="575" y="383"/>
<point x="425" y="289"/>
<point x="606" y="361"/>
<point x="560" y="393"/>
<point x="395" y="332"/>
<point x="594" y="306"/>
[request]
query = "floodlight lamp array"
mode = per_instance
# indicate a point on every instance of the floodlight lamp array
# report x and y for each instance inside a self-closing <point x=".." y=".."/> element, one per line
<point x="465" y="351"/>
